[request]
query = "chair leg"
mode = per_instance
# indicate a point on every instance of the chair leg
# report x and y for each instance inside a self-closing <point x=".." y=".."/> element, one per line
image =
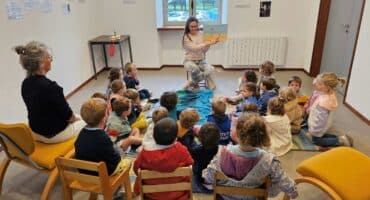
<point x="127" y="185"/>
<point x="107" y="196"/>
<point x="53" y="176"/>
<point x="93" y="196"/>
<point x="3" y="167"/>
<point x="67" y="193"/>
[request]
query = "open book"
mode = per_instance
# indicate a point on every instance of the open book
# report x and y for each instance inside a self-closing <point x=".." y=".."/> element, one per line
<point x="213" y="31"/>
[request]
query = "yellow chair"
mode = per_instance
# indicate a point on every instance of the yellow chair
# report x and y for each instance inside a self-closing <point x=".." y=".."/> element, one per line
<point x="169" y="187"/>
<point x="95" y="184"/>
<point x="20" y="146"/>
<point x="231" y="190"/>
<point x="342" y="173"/>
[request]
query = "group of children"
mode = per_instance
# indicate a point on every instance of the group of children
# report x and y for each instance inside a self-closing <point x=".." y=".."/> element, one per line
<point x="243" y="144"/>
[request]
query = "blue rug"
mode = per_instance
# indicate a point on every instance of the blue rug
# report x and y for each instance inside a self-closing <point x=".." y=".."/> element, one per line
<point x="302" y="143"/>
<point x="200" y="100"/>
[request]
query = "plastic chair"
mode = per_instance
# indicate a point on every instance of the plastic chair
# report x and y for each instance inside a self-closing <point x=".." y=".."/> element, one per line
<point x="342" y="173"/>
<point x="20" y="146"/>
<point x="170" y="187"/>
<point x="231" y="190"/>
<point x="95" y="184"/>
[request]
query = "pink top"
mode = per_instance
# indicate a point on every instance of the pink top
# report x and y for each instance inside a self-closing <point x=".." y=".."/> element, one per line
<point x="195" y="48"/>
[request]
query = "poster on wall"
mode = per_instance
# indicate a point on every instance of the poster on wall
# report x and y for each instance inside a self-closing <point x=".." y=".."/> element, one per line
<point x="265" y="8"/>
<point x="14" y="10"/>
<point x="46" y="6"/>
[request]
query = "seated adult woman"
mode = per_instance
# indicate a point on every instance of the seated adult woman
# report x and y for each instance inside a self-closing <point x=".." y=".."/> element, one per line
<point x="50" y="117"/>
<point x="195" y="50"/>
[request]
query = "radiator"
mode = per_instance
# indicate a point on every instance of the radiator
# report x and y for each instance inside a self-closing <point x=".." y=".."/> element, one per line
<point x="256" y="50"/>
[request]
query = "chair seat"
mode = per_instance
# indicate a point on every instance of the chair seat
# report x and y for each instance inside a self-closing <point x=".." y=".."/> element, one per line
<point x="94" y="187"/>
<point x="344" y="169"/>
<point x="45" y="154"/>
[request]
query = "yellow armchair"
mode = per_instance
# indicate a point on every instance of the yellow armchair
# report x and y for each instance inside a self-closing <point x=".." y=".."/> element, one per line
<point x="20" y="146"/>
<point x="342" y="172"/>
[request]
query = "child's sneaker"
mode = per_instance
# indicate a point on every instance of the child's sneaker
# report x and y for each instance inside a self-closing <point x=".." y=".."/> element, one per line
<point x="346" y="140"/>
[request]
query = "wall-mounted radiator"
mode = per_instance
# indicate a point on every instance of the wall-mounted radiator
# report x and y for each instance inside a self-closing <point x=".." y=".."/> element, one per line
<point x="255" y="50"/>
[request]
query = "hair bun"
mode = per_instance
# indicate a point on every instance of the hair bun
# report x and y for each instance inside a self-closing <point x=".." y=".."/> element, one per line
<point x="20" y="50"/>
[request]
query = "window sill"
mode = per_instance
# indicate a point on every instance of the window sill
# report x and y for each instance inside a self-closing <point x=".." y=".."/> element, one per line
<point x="172" y="28"/>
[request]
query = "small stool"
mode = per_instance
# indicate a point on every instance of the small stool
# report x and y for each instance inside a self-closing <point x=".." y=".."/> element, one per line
<point x="202" y="83"/>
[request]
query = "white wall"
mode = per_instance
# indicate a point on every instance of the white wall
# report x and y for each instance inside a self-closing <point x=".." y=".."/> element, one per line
<point x="358" y="95"/>
<point x="291" y="18"/>
<point x="66" y="35"/>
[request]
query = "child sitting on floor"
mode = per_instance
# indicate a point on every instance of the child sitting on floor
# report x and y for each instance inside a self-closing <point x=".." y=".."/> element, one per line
<point x="132" y="81"/>
<point x="93" y="143"/>
<point x="203" y="153"/>
<point x="171" y="156"/>
<point x="247" y="95"/>
<point x="114" y="74"/>
<point x="188" y="118"/>
<point x="118" y="126"/>
<point x="296" y="83"/>
<point x="169" y="101"/>
<point x="320" y="115"/>
<point x="267" y="88"/>
<point x="137" y="118"/>
<point x="292" y="109"/>
<point x="266" y="70"/>
<point x="221" y="120"/>
<point x="148" y="141"/>
<point x="253" y="164"/>
<point x="278" y="127"/>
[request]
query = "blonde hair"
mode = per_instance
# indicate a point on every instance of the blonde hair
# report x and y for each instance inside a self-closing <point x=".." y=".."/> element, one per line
<point x="288" y="94"/>
<point x="218" y="106"/>
<point x="189" y="117"/>
<point x="251" y="130"/>
<point x="128" y="67"/>
<point x="331" y="80"/>
<point x="31" y="56"/>
<point x="93" y="111"/>
<point x="117" y="85"/>
<point x="131" y="94"/>
<point x="276" y="106"/>
<point x="267" y="68"/>
<point x="159" y="114"/>
<point x="121" y="105"/>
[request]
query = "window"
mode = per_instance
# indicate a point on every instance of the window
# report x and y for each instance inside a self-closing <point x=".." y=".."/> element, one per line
<point x="176" y="12"/>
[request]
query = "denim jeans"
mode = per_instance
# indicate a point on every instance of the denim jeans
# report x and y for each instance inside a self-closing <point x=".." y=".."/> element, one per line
<point x="327" y="140"/>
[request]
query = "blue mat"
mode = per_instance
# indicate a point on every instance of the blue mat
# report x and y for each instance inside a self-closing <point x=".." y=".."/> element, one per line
<point x="302" y="143"/>
<point x="200" y="100"/>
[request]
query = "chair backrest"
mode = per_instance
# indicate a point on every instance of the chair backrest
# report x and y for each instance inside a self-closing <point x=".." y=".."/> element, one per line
<point x="17" y="140"/>
<point x="169" y="187"/>
<point x="69" y="172"/>
<point x="232" y="190"/>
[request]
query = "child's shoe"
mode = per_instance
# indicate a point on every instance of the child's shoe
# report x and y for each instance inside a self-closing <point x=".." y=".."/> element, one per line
<point x="346" y="140"/>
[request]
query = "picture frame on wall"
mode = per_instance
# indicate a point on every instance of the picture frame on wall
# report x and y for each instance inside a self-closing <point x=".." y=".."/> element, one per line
<point x="265" y="8"/>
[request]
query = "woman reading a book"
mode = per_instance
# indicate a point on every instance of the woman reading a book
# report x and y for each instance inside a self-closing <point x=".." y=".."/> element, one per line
<point x="195" y="50"/>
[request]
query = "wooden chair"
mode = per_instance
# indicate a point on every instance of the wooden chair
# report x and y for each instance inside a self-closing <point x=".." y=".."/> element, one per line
<point x="170" y="187"/>
<point x="231" y="190"/>
<point x="20" y="146"/>
<point x="95" y="184"/>
<point x="342" y="173"/>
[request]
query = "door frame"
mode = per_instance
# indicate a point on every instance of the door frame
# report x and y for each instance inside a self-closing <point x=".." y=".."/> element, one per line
<point x="321" y="26"/>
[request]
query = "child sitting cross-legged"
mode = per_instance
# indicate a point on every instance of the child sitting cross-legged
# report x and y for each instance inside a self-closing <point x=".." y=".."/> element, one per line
<point x="292" y="109"/>
<point x="188" y="118"/>
<point x="267" y="88"/>
<point x="247" y="164"/>
<point x="118" y="126"/>
<point x="93" y="143"/>
<point x="222" y="121"/>
<point x="137" y="118"/>
<point x="169" y="101"/>
<point x="132" y="80"/>
<point x="168" y="158"/>
<point x="148" y="140"/>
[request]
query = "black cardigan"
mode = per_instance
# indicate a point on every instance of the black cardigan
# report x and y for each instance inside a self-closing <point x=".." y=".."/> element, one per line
<point x="48" y="110"/>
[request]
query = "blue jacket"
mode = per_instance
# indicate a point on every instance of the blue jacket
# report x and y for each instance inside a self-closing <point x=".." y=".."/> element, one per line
<point x="223" y="122"/>
<point x="246" y="101"/>
<point x="264" y="99"/>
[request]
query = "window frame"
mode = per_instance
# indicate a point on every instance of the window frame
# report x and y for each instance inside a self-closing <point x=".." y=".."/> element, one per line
<point x="192" y="12"/>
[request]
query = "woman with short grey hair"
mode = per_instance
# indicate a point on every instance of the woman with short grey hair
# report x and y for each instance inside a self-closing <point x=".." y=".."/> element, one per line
<point x="50" y="117"/>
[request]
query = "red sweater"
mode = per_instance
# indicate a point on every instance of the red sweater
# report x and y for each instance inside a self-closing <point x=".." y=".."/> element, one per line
<point x="164" y="160"/>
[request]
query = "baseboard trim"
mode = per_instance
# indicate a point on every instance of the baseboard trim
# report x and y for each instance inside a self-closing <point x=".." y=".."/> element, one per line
<point x="358" y="114"/>
<point x="85" y="83"/>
